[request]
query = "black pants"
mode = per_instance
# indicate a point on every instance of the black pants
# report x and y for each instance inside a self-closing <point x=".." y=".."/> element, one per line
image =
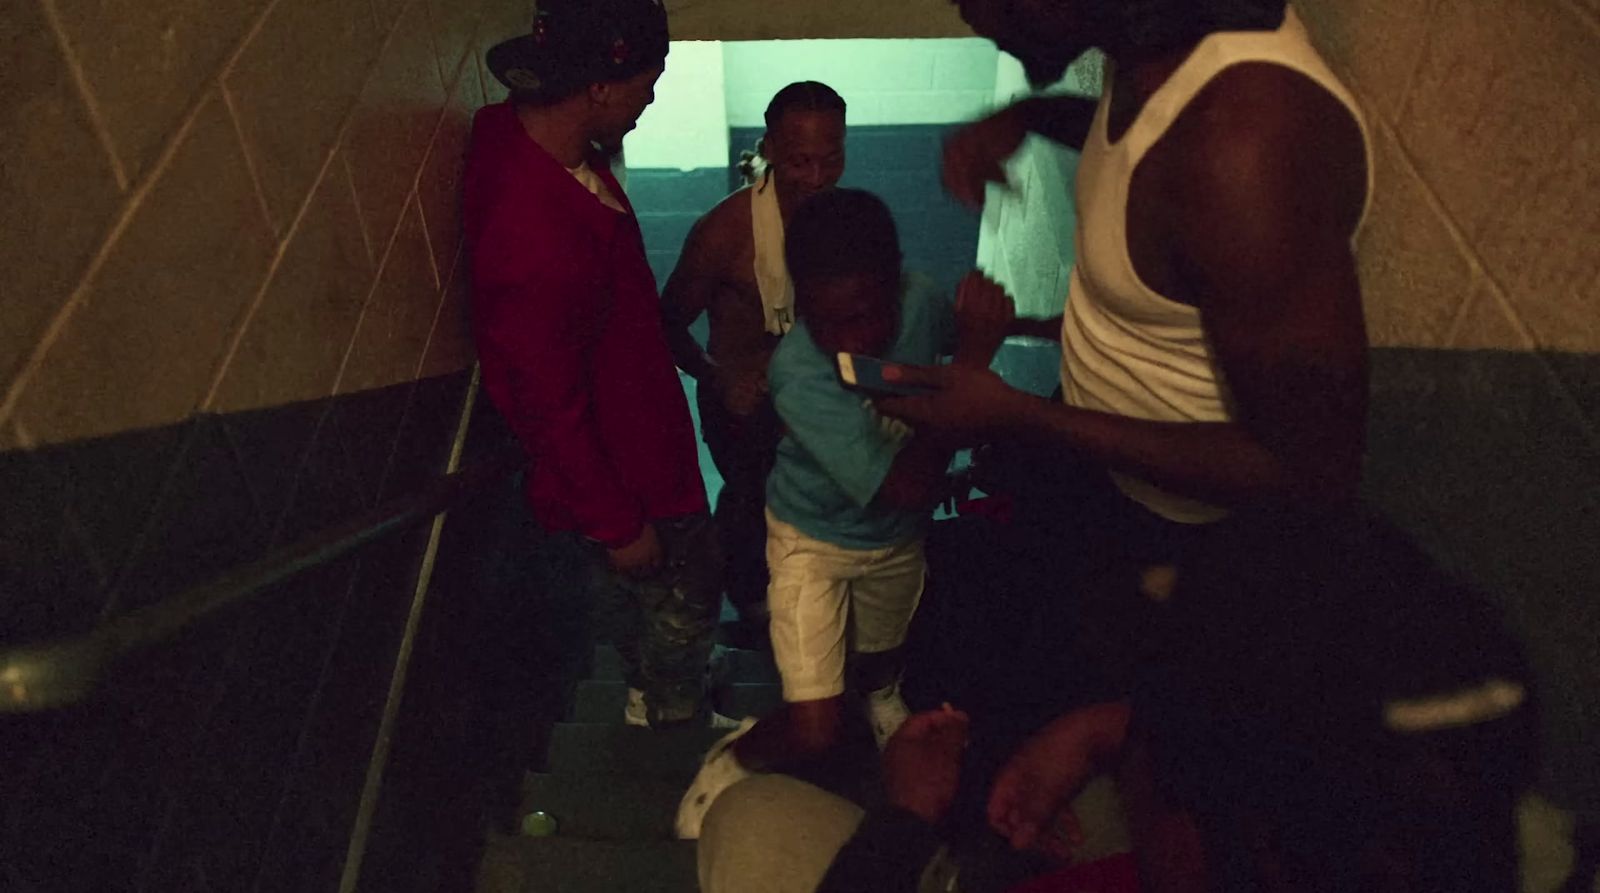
<point x="743" y="448"/>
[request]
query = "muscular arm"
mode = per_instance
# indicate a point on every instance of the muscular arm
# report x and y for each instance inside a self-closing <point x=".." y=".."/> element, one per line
<point x="1265" y="239"/>
<point x="1269" y="189"/>
<point x="689" y="292"/>
<point x="1266" y="203"/>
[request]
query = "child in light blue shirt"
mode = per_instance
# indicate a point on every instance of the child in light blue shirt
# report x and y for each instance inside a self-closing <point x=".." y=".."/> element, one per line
<point x="837" y="450"/>
<point x="852" y="491"/>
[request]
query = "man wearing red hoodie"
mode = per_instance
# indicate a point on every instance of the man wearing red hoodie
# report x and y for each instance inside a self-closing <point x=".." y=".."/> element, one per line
<point x="568" y="328"/>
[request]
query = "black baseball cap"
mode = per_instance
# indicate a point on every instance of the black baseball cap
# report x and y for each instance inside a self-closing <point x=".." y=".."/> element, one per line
<point x="578" y="42"/>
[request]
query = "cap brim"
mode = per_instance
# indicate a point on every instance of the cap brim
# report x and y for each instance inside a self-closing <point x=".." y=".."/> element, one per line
<point x="514" y="62"/>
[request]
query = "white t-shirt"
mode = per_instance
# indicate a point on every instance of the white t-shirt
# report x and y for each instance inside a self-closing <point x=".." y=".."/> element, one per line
<point x="591" y="181"/>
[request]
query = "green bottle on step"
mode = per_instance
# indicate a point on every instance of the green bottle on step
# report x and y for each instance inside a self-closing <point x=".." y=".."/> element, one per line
<point x="540" y="824"/>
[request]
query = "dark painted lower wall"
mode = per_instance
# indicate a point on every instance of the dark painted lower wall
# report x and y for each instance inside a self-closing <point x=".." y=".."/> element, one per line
<point x="233" y="760"/>
<point x="1483" y="456"/>
<point x="668" y="203"/>
<point x="504" y="638"/>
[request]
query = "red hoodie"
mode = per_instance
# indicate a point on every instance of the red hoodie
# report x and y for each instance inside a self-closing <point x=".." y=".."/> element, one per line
<point x="568" y="326"/>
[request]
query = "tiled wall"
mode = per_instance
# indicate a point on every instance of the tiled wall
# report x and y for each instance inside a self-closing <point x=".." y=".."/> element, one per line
<point x="686" y="127"/>
<point x="1488" y="129"/>
<point x="231" y="314"/>
<point x="669" y="202"/>
<point x="884" y="81"/>
<point x="221" y="216"/>
<point x="1482" y="283"/>
<point x="739" y="20"/>
<point x="195" y="187"/>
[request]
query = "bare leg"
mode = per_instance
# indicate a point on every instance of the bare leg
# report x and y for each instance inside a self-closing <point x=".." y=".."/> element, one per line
<point x="802" y="730"/>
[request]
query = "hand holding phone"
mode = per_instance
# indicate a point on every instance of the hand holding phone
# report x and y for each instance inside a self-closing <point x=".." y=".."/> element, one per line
<point x="865" y="374"/>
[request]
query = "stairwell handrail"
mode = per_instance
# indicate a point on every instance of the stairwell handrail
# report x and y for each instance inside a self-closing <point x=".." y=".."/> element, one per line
<point x="62" y="672"/>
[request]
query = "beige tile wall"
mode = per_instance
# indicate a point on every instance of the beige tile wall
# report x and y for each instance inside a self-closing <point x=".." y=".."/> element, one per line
<point x="1486" y="231"/>
<point x="771" y="20"/>
<point x="184" y="181"/>
<point x="222" y="205"/>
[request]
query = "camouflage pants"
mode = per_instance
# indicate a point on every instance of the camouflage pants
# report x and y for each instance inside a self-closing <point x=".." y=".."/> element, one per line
<point x="663" y="625"/>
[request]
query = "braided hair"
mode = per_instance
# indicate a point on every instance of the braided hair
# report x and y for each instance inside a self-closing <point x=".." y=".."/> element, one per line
<point x="803" y="96"/>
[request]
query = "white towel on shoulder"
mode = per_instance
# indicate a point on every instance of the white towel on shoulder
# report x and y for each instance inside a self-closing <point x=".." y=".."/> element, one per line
<point x="772" y="271"/>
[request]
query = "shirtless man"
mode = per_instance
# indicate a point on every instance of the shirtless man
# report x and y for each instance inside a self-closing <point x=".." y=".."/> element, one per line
<point x="732" y="268"/>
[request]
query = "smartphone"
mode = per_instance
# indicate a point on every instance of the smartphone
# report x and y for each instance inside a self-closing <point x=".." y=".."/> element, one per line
<point x="865" y="374"/>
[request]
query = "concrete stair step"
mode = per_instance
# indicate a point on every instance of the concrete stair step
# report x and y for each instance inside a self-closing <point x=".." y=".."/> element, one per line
<point x="603" y="702"/>
<point x="738" y="666"/>
<point x="599" y="702"/>
<point x="742" y="666"/>
<point x="672" y="754"/>
<point x="569" y="865"/>
<point x="744" y="699"/>
<point x="605" y="807"/>
<point x="607" y="664"/>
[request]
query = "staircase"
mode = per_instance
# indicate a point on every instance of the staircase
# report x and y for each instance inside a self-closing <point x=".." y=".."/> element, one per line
<point x="614" y="788"/>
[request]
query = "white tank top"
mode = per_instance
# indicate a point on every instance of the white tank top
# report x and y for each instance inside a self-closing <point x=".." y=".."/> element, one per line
<point x="1126" y="349"/>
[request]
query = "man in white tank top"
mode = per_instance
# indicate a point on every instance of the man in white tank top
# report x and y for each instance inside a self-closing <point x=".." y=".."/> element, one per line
<point x="1214" y="350"/>
<point x="1214" y="347"/>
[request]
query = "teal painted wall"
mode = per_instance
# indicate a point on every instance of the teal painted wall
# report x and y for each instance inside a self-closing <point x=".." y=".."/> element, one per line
<point x="884" y="81"/>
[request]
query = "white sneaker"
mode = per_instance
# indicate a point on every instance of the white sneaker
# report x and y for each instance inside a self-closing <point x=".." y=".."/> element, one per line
<point x="886" y="711"/>
<point x="719" y="771"/>
<point x="718" y="721"/>
<point x="636" y="713"/>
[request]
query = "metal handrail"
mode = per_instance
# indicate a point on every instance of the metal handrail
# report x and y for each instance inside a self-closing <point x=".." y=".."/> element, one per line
<point x="62" y="672"/>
